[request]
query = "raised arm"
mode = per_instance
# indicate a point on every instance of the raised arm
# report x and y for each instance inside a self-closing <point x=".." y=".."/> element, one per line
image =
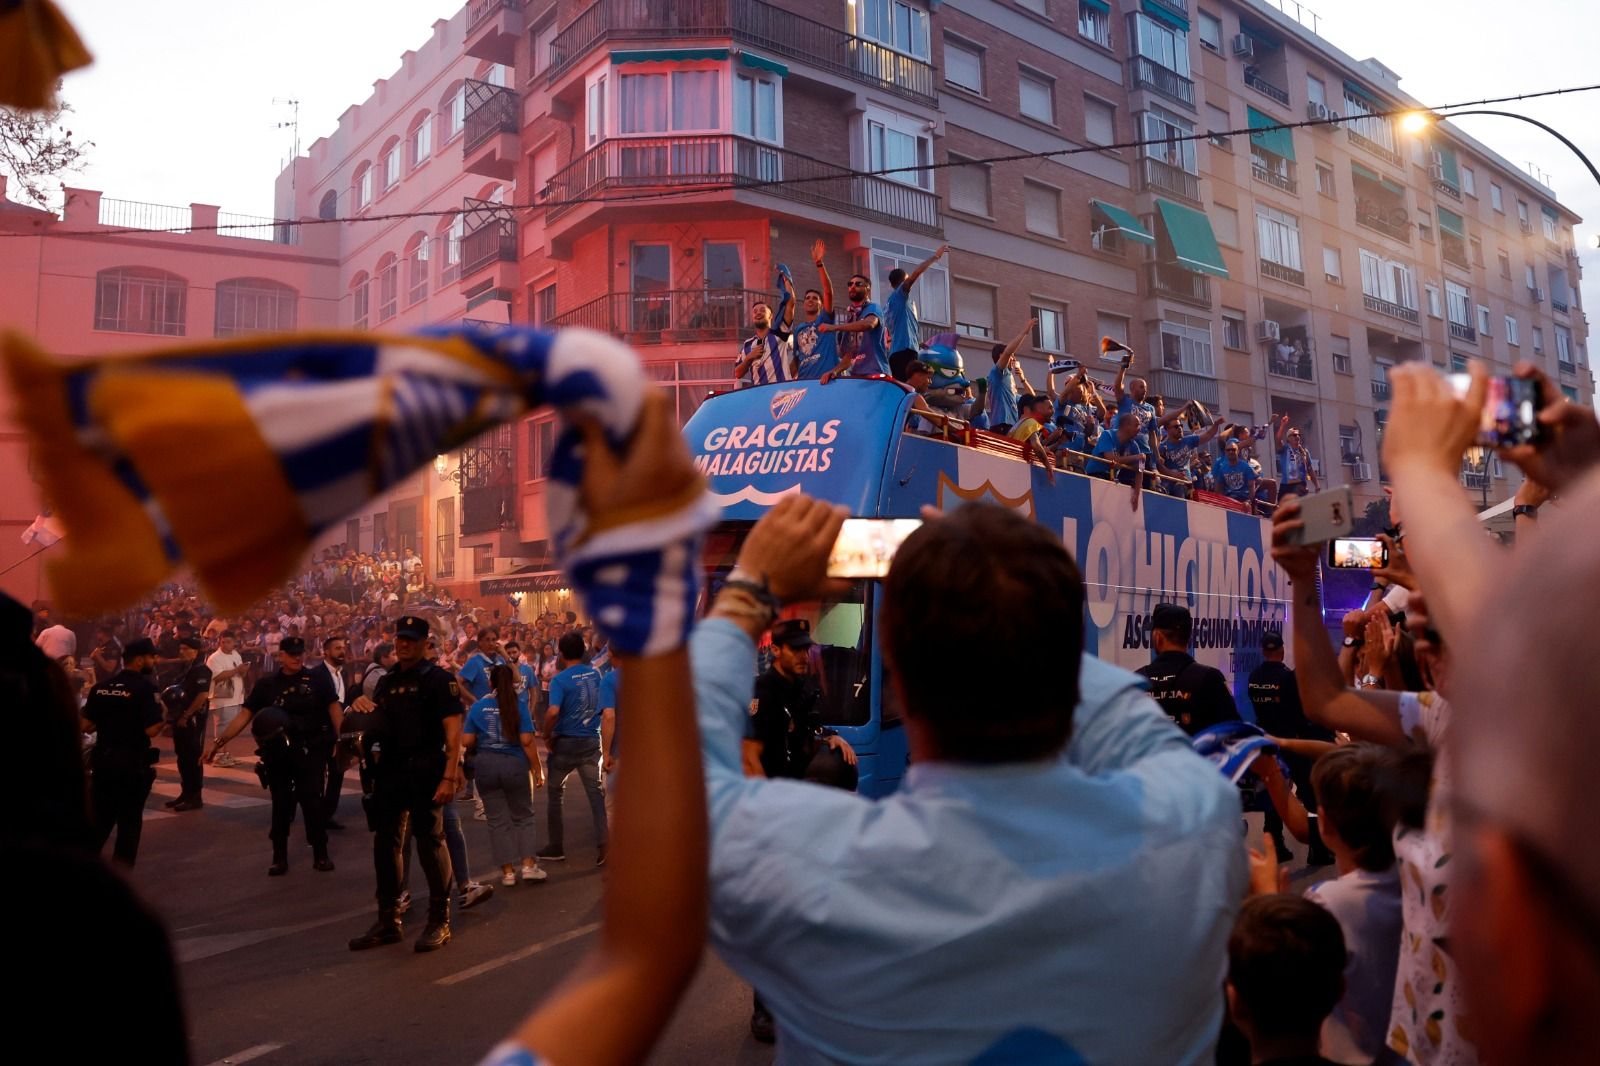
<point x="1118" y="385"/>
<point x="911" y="278"/>
<point x="1210" y="432"/>
<point x="817" y="250"/>
<point x="1283" y="428"/>
<point x="1009" y="355"/>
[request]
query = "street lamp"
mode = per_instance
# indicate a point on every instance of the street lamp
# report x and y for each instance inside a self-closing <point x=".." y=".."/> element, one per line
<point x="1417" y="121"/>
<point x="1478" y="458"/>
<point x="441" y="467"/>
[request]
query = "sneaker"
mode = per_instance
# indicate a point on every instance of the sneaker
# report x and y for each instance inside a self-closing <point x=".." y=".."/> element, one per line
<point x="533" y="874"/>
<point x="600" y="855"/>
<point x="188" y="805"/>
<point x="474" y="893"/>
<point x="223" y="759"/>
<point x="508" y="878"/>
<point x="551" y="853"/>
<point x="403" y="904"/>
<point x="478" y="813"/>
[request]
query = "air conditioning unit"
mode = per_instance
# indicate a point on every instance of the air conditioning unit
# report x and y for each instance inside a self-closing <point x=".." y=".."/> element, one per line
<point x="1244" y="45"/>
<point x="1316" y="111"/>
<point x="1538" y="294"/>
<point x="1267" y="330"/>
<point x="1360" y="472"/>
<point x="1435" y="173"/>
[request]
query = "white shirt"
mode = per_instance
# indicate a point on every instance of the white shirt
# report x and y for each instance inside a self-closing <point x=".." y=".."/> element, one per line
<point x="58" y="641"/>
<point x="229" y="692"/>
<point x="1367" y="906"/>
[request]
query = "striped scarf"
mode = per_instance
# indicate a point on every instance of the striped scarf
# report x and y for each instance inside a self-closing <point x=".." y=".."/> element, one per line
<point x="232" y="457"/>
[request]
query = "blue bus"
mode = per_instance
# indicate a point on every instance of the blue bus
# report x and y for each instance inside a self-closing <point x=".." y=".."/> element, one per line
<point x="848" y="442"/>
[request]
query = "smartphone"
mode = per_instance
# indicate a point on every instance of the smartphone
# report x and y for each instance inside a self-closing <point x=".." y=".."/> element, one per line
<point x="1357" y="553"/>
<point x="1127" y="360"/>
<point x="1326" y="515"/>
<point x="866" y="546"/>
<point x="1510" y="412"/>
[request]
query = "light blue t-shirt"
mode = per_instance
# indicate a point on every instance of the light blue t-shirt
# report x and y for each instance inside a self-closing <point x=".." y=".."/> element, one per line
<point x="1234" y="480"/>
<point x="1145" y="411"/>
<point x="608" y="699"/>
<point x="527" y="683"/>
<point x="1108" y="444"/>
<point x="815" y="353"/>
<point x="483" y="722"/>
<point x="863" y="351"/>
<point x="475" y="675"/>
<point x="1178" y="454"/>
<point x="900" y="312"/>
<point x="576" y="692"/>
<point x="1002" y="397"/>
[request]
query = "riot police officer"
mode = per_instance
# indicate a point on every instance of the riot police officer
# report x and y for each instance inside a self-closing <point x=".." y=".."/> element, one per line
<point x="188" y="707"/>
<point x="1275" y="695"/>
<point x="294" y="771"/>
<point x="123" y="713"/>
<point x="413" y="765"/>
<point x="1193" y="695"/>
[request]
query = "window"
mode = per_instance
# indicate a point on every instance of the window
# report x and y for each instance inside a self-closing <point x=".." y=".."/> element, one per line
<point x="1340" y="347"/>
<point x="595" y="120"/>
<point x="1186" y="344"/>
<point x="1217" y="123"/>
<point x="1161" y="44"/>
<point x="1570" y="393"/>
<point x="254" y="305"/>
<point x="450" y="241"/>
<point x="329" y="207"/>
<point x="419" y="145"/>
<point x="1505" y="266"/>
<point x="1458" y="363"/>
<point x="1512" y="336"/>
<point x="1233" y="335"/>
<point x="1457" y="304"/>
<point x="1360" y="120"/>
<point x="679" y="101"/>
<point x="1316" y="92"/>
<point x="391" y="164"/>
<point x="539" y="42"/>
<point x="1496" y="198"/>
<point x="1435" y="307"/>
<point x="1210" y="31"/>
<point x="140" y="300"/>
<point x="1042" y="208"/>
<point x="897" y="142"/>
<point x="974" y="309"/>
<point x="1225" y="222"/>
<point x="360" y="287"/>
<point x="544" y="305"/>
<point x="1036" y="96"/>
<point x="541" y="446"/>
<point x="1563" y="345"/>
<point x="418" y="256"/>
<point x="455" y="108"/>
<point x="1425" y="227"/>
<point x="1529" y="275"/>
<point x="1050" y="335"/>
<point x="388" y="287"/>
<point x="1325" y="184"/>
<point x="963" y="65"/>
<point x="1330" y="265"/>
<point x="1522" y="212"/>
<point x="900" y="25"/>
<point x="1548" y="221"/>
<point x="361" y="186"/>
<point x="1099" y="121"/>
<point x="1278" y="237"/>
<point x="1387" y="280"/>
<point x="1094" y="25"/>
<point x="1538" y="339"/>
<point x="756" y="100"/>
<point x="1161" y="131"/>
<point x="933" y="288"/>
<point x="482" y="559"/>
<point x="1469" y="181"/>
<point x="444" y="520"/>
<point x="1113" y="326"/>
<point x="1483" y="321"/>
<point x="969" y="186"/>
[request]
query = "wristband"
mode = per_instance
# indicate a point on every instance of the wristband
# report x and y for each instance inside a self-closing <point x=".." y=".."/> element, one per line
<point x="1524" y="510"/>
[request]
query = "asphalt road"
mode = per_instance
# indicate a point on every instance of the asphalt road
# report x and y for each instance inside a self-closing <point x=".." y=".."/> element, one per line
<point x="267" y="975"/>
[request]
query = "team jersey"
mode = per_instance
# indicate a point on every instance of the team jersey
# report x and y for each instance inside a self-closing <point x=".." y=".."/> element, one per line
<point x="771" y="368"/>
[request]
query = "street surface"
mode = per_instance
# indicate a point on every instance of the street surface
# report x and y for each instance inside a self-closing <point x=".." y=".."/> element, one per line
<point x="267" y="976"/>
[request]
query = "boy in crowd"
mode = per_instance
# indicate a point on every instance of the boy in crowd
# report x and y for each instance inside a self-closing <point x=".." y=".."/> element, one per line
<point x="1286" y="961"/>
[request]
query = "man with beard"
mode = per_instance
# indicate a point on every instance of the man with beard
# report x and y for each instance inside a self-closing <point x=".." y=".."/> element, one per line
<point x="334" y="650"/>
<point x="765" y="357"/>
<point x="123" y="713"/>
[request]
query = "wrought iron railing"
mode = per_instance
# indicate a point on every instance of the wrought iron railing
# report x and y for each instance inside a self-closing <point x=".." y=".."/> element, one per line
<point x="1299" y="364"/>
<point x="1393" y="310"/>
<point x="491" y="235"/>
<point x="1282" y="273"/>
<point x="481" y="11"/>
<point x="1391" y="223"/>
<point x="1284" y="179"/>
<point x="1148" y="74"/>
<point x="1179" y="284"/>
<point x="1381" y="390"/>
<point x="1454" y="249"/>
<point x="1164" y="177"/>
<point x="490" y="109"/>
<point x="1374" y="147"/>
<point x="668" y="316"/>
<point x="1463" y="333"/>
<point x="768" y="26"/>
<point x="1559" y="305"/>
<point x="1261" y="85"/>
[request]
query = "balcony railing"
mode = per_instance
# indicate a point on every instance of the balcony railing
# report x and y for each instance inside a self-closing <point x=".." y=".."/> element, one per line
<point x="1299" y="364"/>
<point x="725" y="161"/>
<point x="1178" y="284"/>
<point x="1393" y="310"/>
<point x="491" y="235"/>
<point x="1454" y="250"/>
<point x="1177" y="7"/>
<point x="1559" y="305"/>
<point x="1391" y="222"/>
<point x="486" y="509"/>
<point x="668" y="316"/>
<point x="1182" y="386"/>
<point x="1374" y="147"/>
<point x="1463" y="333"/>
<point x="768" y="26"/>
<point x="1282" y="273"/>
<point x="1266" y="88"/>
<point x="1567" y="368"/>
<point x="1164" y="177"/>
<point x="481" y="11"/>
<point x="491" y="109"/>
<point x="1148" y="74"/>
<point x="1381" y="390"/>
<point x="1277" y="179"/>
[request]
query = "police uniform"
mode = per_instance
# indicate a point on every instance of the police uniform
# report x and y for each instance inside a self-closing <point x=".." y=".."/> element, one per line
<point x="189" y="736"/>
<point x="294" y="766"/>
<point x="1193" y="695"/>
<point x="406" y="759"/>
<point x="1276" y="699"/>
<point x="787" y="721"/>
<point x="122" y="762"/>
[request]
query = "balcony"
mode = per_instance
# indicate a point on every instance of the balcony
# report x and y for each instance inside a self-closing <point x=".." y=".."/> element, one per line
<point x="1298" y="364"/>
<point x="723" y="162"/>
<point x="1463" y="333"/>
<point x="1147" y="74"/>
<point x="767" y="26"/>
<point x="490" y="237"/>
<point x="490" y="145"/>
<point x="493" y="29"/>
<point x="1454" y="249"/>
<point x="1261" y="85"/>
<point x="1269" y="269"/>
<point x="1279" y="174"/>
<point x="1182" y="386"/>
<point x="1393" y="310"/>
<point x="1381" y="390"/>
<point x="1559" y="305"/>
<point x="1178" y="284"/>
<point x="1176" y="7"/>
<point x="1391" y="222"/>
<point x="1374" y="147"/>
<point x="673" y="316"/>
<point x="1567" y="369"/>
<point x="487" y="509"/>
<point x="1165" y="178"/>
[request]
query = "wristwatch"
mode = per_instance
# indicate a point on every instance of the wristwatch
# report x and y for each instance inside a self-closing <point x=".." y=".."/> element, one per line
<point x="1524" y="510"/>
<point x="1353" y="642"/>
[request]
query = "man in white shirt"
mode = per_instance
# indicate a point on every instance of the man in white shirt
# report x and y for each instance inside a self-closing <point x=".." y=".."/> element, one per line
<point x="227" y="687"/>
<point x="58" y="642"/>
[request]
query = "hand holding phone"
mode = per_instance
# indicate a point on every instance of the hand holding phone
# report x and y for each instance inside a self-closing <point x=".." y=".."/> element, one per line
<point x="1357" y="553"/>
<point x="1324" y="516"/>
<point x="866" y="546"/>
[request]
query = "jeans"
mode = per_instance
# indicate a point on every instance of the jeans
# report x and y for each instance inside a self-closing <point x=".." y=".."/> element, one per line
<point x="456" y="842"/>
<point x="507" y="793"/>
<point x="188" y="744"/>
<point x="583" y="755"/>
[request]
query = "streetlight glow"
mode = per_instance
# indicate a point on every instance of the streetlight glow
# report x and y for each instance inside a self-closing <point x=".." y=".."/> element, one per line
<point x="1415" y="121"/>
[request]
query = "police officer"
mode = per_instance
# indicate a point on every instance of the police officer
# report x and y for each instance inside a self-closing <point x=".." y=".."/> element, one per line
<point x="1276" y="700"/>
<point x="188" y="705"/>
<point x="1193" y="695"/>
<point x="296" y="769"/>
<point x="123" y="713"/>
<point x="413" y="764"/>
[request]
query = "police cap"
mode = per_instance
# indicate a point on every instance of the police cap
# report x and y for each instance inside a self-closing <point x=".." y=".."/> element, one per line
<point x="1272" y="640"/>
<point x="189" y="642"/>
<point x="292" y="646"/>
<point x="1172" y="618"/>
<point x="135" y="648"/>
<point x="412" y="627"/>
<point x="792" y="633"/>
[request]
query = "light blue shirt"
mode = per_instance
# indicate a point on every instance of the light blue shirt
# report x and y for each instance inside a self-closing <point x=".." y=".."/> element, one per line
<point x="483" y="722"/>
<point x="575" y="691"/>
<point x="1002" y="396"/>
<point x="475" y="674"/>
<point x="900" y="313"/>
<point x="1070" y="911"/>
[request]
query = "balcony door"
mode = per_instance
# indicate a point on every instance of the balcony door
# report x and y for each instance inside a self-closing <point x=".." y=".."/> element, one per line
<point x="724" y="277"/>
<point x="650" y="283"/>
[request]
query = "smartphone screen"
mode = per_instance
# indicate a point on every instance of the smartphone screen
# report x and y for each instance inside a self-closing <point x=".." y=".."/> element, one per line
<point x="1510" y="412"/>
<point x="1357" y="553"/>
<point x="866" y="546"/>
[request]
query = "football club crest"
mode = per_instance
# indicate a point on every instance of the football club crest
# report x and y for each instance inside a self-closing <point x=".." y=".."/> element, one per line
<point x="786" y="401"/>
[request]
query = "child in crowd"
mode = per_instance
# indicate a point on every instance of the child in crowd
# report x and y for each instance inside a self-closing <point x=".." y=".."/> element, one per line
<point x="1286" y="962"/>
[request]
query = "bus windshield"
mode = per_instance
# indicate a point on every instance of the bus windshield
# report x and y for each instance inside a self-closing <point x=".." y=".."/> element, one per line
<point x="841" y="627"/>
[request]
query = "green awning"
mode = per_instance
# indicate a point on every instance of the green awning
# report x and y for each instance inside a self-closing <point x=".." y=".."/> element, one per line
<point x="665" y="55"/>
<point x="1452" y="222"/>
<point x="1194" y="246"/>
<point x="1121" y="221"/>
<point x="1369" y="174"/>
<point x="1279" y="142"/>
<point x="1551" y="213"/>
<point x="1166" y="16"/>
<point x="750" y="59"/>
<point x="1098" y="5"/>
<point x="1447" y="163"/>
